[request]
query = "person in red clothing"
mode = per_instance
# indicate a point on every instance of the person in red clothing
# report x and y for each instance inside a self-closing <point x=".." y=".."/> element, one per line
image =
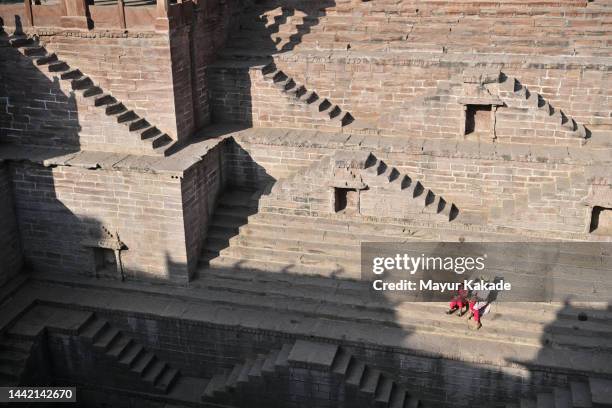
<point x="479" y="305"/>
<point x="458" y="301"/>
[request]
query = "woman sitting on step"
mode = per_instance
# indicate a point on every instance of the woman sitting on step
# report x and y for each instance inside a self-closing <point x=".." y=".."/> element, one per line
<point x="479" y="306"/>
<point x="458" y="301"/>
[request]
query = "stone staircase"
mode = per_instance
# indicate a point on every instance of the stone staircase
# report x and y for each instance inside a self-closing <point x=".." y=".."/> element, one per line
<point x="517" y="27"/>
<point x="278" y="241"/>
<point x="14" y="353"/>
<point x="364" y="385"/>
<point x="509" y="85"/>
<point x="152" y="139"/>
<point x="322" y="106"/>
<point x="122" y="350"/>
<point x="584" y="393"/>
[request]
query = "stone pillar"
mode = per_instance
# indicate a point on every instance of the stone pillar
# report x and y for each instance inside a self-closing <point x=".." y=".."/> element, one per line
<point x="28" y="12"/>
<point x="77" y="14"/>
<point x="121" y="13"/>
<point x="162" y="23"/>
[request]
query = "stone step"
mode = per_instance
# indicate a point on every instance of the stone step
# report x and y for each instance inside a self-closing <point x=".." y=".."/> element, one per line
<point x="154" y="371"/>
<point x="132" y="354"/>
<point x="81" y="83"/>
<point x="342" y="265"/>
<point x="269" y="366"/>
<point x="13" y="357"/>
<point x="255" y="371"/>
<point x="399" y="398"/>
<point x="93" y="329"/>
<point x="601" y="391"/>
<point x="581" y="394"/>
<point x="282" y="358"/>
<point x="71" y="74"/>
<point x="383" y="392"/>
<point x="105" y="340"/>
<point x="92" y="91"/>
<point x="307" y="247"/>
<point x="104" y="100"/>
<point x="21" y="41"/>
<point x="150" y="132"/>
<point x="137" y="124"/>
<point x="120" y="346"/>
<point x="33" y="50"/>
<point x="516" y="327"/>
<point x="46" y="59"/>
<point x="563" y="397"/>
<point x="142" y="362"/>
<point x="115" y="109"/>
<point x="232" y="378"/>
<point x="355" y="373"/>
<point x="369" y="381"/>
<point x="58" y="66"/>
<point x="16" y="344"/>
<point x="127" y="116"/>
<point x="214" y="386"/>
<point x="167" y="379"/>
<point x="545" y="400"/>
<point x="243" y="377"/>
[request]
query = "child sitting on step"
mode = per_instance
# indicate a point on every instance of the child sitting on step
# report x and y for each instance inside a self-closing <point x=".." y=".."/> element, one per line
<point x="458" y="301"/>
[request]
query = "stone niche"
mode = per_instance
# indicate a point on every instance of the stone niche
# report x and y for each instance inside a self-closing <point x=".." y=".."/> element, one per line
<point x="599" y="201"/>
<point x="346" y="184"/>
<point x="106" y="250"/>
<point x="479" y="105"/>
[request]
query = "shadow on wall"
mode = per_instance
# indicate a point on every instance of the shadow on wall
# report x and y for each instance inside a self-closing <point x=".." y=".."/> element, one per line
<point x="34" y="110"/>
<point x="559" y="343"/>
<point x="260" y="36"/>
<point x="93" y="242"/>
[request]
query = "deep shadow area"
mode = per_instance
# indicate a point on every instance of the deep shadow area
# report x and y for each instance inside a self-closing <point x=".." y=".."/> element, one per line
<point x="34" y="110"/>
<point x="251" y="46"/>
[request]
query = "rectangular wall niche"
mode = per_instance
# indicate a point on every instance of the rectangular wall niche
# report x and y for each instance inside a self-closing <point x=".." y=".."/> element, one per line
<point x="601" y="221"/>
<point x="346" y="200"/>
<point x="478" y="119"/>
<point x="106" y="262"/>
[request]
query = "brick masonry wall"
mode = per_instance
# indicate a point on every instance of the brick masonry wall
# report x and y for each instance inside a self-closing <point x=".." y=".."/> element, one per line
<point x="213" y="22"/>
<point x="200" y="188"/>
<point x="206" y="350"/>
<point x="10" y="245"/>
<point x="63" y="212"/>
<point x="504" y="192"/>
<point x="136" y="68"/>
<point x="38" y="108"/>
<point x="407" y="95"/>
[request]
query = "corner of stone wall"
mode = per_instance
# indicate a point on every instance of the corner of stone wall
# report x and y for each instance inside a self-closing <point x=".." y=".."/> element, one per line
<point x="10" y="241"/>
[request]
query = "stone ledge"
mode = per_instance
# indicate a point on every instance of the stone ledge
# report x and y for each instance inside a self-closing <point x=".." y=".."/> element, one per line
<point x="432" y="147"/>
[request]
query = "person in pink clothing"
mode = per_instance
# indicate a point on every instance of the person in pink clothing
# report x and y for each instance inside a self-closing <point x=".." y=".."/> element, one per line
<point x="479" y="305"/>
<point x="459" y="301"/>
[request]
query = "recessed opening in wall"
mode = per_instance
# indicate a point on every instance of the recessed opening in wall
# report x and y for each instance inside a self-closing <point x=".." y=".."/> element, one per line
<point x="478" y="119"/>
<point x="346" y="199"/>
<point x="106" y="262"/>
<point x="601" y="221"/>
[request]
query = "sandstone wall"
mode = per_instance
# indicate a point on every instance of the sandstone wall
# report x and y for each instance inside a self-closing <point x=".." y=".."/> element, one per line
<point x="64" y="213"/>
<point x="206" y="350"/>
<point x="510" y="188"/>
<point x="10" y="245"/>
<point x="40" y="108"/>
<point x="136" y="68"/>
<point x="200" y="188"/>
<point x="410" y="96"/>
